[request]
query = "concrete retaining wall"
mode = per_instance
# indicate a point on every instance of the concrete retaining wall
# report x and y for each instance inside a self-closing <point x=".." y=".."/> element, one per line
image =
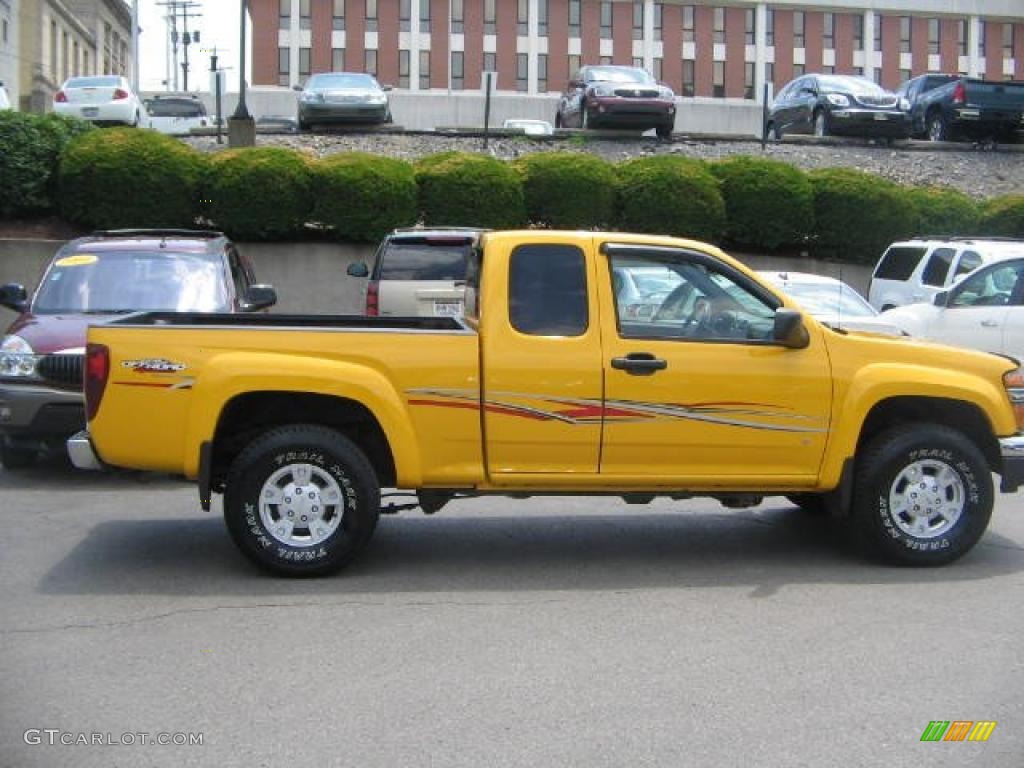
<point x="311" y="277"/>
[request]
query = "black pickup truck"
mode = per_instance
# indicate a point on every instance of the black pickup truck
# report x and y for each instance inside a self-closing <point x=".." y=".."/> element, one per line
<point x="947" y="107"/>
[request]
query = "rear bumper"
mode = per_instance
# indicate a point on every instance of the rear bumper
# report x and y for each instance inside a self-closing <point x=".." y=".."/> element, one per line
<point x="81" y="452"/>
<point x="1012" y="450"/>
<point x="110" y="112"/>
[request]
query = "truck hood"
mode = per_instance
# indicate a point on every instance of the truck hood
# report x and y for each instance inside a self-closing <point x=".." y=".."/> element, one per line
<point x="48" y="334"/>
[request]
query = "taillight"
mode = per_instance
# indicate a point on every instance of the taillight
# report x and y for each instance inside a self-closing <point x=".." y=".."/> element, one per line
<point x="61" y="97"/>
<point x="372" y="299"/>
<point x="959" y="93"/>
<point x="120" y="94"/>
<point x="97" y="370"/>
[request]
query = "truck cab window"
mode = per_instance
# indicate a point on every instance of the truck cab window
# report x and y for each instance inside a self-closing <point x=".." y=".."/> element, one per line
<point x="547" y="290"/>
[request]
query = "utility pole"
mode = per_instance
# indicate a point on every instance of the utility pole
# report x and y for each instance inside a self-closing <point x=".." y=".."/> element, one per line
<point x="183" y="8"/>
<point x="241" y="126"/>
<point x="135" y="45"/>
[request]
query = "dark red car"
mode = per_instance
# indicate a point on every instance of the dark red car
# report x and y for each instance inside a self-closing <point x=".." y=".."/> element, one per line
<point x="617" y="97"/>
<point x="90" y="280"/>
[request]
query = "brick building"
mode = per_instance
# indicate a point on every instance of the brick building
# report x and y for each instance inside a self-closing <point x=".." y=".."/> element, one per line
<point x="724" y="50"/>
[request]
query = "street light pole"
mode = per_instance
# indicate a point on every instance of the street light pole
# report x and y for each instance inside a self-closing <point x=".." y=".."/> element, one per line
<point x="241" y="126"/>
<point x="135" y="45"/>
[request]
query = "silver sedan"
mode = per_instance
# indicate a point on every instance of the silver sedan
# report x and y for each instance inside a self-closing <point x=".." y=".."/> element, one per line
<point x="342" y="97"/>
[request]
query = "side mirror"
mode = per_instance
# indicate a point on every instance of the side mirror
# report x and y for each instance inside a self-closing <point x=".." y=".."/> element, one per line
<point x="258" y="297"/>
<point x="358" y="269"/>
<point x="790" y="330"/>
<point x="297" y="88"/>
<point x="387" y="88"/>
<point x="14" y="296"/>
<point x="941" y="299"/>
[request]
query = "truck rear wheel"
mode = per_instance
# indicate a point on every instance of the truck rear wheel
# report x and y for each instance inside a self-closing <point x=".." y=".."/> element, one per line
<point x="922" y="496"/>
<point x="301" y="500"/>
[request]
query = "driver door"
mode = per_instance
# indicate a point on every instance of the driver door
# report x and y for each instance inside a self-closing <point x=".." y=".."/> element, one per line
<point x="697" y="393"/>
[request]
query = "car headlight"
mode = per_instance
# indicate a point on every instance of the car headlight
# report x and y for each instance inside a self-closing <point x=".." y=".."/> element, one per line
<point x="310" y="96"/>
<point x="379" y="98"/>
<point x="1014" y="383"/>
<point x="17" y="359"/>
<point x="602" y="90"/>
<point x="666" y="93"/>
<point x="905" y="104"/>
<point x="837" y="100"/>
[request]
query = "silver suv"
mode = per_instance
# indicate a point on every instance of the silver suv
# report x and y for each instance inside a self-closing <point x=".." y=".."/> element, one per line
<point x="913" y="271"/>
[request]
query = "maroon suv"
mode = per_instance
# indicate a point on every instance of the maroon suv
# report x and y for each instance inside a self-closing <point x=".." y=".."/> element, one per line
<point x="609" y="96"/>
<point x="90" y="280"/>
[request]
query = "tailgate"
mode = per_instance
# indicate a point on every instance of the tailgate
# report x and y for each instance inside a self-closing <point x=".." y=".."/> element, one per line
<point x="993" y="95"/>
<point x="421" y="298"/>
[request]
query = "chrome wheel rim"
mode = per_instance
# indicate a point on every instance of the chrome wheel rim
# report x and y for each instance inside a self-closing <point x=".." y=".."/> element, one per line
<point x="819" y="125"/>
<point x="927" y="499"/>
<point x="301" y="505"/>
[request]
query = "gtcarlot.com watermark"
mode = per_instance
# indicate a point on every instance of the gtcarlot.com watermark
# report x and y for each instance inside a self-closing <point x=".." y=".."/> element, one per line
<point x="57" y="737"/>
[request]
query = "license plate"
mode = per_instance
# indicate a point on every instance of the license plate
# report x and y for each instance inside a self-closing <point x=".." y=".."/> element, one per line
<point x="881" y="117"/>
<point x="90" y="111"/>
<point x="447" y="308"/>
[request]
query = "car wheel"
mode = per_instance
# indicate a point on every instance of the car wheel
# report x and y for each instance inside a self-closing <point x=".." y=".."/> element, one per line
<point x="558" y="119"/>
<point x="937" y="130"/>
<point x="810" y="503"/>
<point x="774" y="133"/>
<point x="301" y="500"/>
<point x="135" y="122"/>
<point x="664" y="131"/>
<point x="820" y="124"/>
<point x="922" y="495"/>
<point x="388" y="118"/>
<point x="584" y="117"/>
<point x="13" y="457"/>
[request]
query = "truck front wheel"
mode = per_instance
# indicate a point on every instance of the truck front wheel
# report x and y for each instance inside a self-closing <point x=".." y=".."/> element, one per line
<point x="923" y="495"/>
<point x="301" y="500"/>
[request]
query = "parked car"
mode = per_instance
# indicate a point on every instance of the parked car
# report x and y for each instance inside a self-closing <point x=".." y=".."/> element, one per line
<point x="830" y="301"/>
<point x="276" y="124"/>
<point x="946" y="107"/>
<point x="529" y="127"/>
<point x="842" y="105"/>
<point x="912" y="271"/>
<point x="106" y="99"/>
<point x="983" y="311"/>
<point x="342" y="97"/>
<point x="617" y="97"/>
<point x="176" y="115"/>
<point x="419" y="272"/>
<point x="89" y="280"/>
<point x="5" y="101"/>
<point x="641" y="290"/>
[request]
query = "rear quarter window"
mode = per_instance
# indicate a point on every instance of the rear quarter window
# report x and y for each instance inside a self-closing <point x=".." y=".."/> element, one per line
<point x="423" y="261"/>
<point x="899" y="263"/>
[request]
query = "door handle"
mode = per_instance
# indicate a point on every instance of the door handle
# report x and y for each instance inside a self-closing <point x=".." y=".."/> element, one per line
<point x="639" y="364"/>
<point x="989" y="323"/>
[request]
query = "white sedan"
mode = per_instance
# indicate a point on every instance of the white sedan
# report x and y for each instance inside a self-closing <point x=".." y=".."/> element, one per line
<point x="831" y="301"/>
<point x="100" y="99"/>
<point x="983" y="311"/>
<point x="176" y="115"/>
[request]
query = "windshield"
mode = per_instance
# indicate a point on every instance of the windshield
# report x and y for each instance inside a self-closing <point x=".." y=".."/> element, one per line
<point x="619" y="75"/>
<point x="860" y="86"/>
<point x="93" y="82"/>
<point x="828" y="299"/>
<point x="342" y="82"/>
<point x="175" y="108"/>
<point x="129" y="281"/>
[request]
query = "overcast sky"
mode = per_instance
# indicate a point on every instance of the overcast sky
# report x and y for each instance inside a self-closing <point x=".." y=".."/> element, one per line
<point x="218" y="26"/>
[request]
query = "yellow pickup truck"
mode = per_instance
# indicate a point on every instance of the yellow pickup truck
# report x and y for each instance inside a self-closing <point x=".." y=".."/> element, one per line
<point x="558" y="380"/>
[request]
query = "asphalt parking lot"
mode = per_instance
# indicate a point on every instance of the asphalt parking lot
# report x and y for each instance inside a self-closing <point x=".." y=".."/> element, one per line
<point x="550" y="632"/>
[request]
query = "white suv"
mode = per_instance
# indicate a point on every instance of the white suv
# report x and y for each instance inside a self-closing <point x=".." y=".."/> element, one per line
<point x="913" y="271"/>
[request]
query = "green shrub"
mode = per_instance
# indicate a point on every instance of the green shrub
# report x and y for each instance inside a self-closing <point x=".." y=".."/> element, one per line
<point x="463" y="189"/>
<point x="1003" y="217"/>
<point x="670" y="196"/>
<point x="942" y="211"/>
<point x="567" y="190"/>
<point x="768" y="204"/>
<point x="264" y="193"/>
<point x="30" y="157"/>
<point x="128" y="177"/>
<point x="858" y="214"/>
<point x="363" y="197"/>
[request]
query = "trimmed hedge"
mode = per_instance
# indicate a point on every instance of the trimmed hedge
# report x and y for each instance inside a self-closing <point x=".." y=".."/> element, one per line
<point x="670" y="196"/>
<point x="942" y="211"/>
<point x="126" y="177"/>
<point x="858" y="214"/>
<point x="362" y="196"/>
<point x="29" y="160"/>
<point x="458" y="188"/>
<point x="1003" y="217"/>
<point x="768" y="204"/>
<point x="263" y="193"/>
<point x="567" y="190"/>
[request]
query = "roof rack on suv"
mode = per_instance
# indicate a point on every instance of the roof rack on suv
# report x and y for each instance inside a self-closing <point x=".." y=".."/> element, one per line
<point x="415" y="230"/>
<point x="196" y="233"/>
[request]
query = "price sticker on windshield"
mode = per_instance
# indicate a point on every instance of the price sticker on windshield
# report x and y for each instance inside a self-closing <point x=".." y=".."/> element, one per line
<point x="78" y="260"/>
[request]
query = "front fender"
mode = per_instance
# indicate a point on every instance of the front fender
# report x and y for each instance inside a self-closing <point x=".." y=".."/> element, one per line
<point x="874" y="384"/>
<point x="231" y="374"/>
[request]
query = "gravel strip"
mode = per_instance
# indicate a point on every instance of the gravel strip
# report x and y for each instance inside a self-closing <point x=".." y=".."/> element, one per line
<point x="979" y="173"/>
